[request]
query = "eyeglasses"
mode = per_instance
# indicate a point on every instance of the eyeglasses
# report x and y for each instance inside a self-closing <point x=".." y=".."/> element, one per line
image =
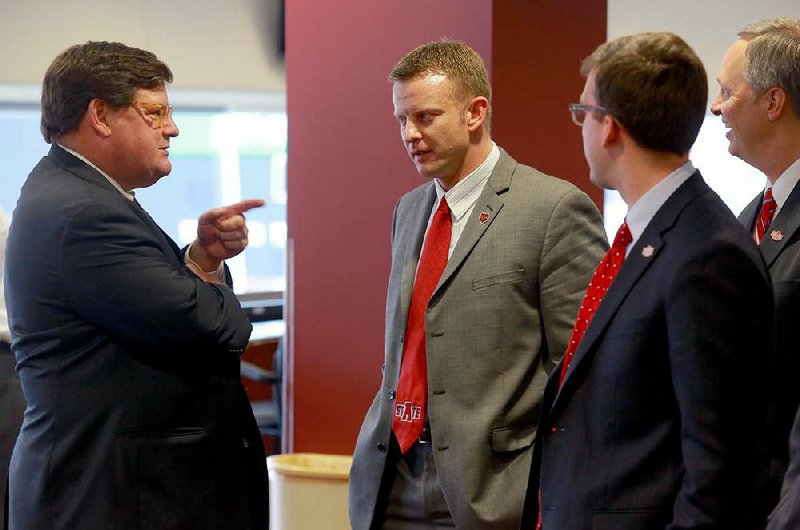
<point x="155" y="114"/>
<point x="579" y="112"/>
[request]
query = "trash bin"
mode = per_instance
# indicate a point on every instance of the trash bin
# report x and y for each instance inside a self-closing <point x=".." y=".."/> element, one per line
<point x="308" y="491"/>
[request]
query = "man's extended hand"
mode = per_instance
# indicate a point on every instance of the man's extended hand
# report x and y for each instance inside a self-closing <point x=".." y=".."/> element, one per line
<point x="221" y="234"/>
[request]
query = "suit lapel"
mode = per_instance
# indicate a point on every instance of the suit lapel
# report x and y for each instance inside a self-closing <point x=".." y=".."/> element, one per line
<point x="489" y="203"/>
<point x="643" y="254"/>
<point x="81" y="169"/>
<point x="413" y="245"/>
<point x="149" y="221"/>
<point x="782" y="228"/>
<point x="748" y="215"/>
<point x="632" y="269"/>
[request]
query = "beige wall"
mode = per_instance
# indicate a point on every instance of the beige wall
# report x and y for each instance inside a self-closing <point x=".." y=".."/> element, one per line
<point x="209" y="44"/>
<point x="212" y="44"/>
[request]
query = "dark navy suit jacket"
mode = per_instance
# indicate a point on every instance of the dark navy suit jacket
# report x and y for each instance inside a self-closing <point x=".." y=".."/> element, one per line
<point x="659" y="421"/>
<point x="781" y="249"/>
<point x="136" y="414"/>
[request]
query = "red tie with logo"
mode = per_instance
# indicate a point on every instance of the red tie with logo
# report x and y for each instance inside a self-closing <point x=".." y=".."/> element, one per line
<point x="412" y="387"/>
<point x="768" y="207"/>
<point x="603" y="276"/>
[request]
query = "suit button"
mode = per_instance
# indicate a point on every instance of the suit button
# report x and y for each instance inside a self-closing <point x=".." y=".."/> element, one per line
<point x="245" y="443"/>
<point x="391" y="394"/>
<point x="381" y="447"/>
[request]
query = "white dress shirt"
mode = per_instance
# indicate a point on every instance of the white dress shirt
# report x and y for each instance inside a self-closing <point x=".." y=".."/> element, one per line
<point x="462" y="197"/>
<point x="642" y="211"/>
<point x="784" y="185"/>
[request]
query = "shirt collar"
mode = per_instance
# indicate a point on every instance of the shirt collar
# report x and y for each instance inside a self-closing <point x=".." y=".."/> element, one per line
<point x="463" y="195"/>
<point x="127" y="194"/>
<point x="784" y="184"/>
<point x="642" y="211"/>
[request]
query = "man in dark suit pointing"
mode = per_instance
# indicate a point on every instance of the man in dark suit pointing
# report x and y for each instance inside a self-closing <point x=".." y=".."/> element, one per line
<point x="127" y="347"/>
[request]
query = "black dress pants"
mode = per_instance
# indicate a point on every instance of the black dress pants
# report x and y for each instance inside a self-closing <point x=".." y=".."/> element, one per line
<point x="12" y="409"/>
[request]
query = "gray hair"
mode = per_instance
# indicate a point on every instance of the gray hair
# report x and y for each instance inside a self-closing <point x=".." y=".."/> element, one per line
<point x="772" y="58"/>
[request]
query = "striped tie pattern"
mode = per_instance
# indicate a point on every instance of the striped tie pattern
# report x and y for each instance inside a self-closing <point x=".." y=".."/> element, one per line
<point x="768" y="207"/>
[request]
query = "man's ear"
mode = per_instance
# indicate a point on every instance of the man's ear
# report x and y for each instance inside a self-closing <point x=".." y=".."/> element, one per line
<point x="775" y="103"/>
<point x="98" y="115"/>
<point x="477" y="111"/>
<point x="611" y="131"/>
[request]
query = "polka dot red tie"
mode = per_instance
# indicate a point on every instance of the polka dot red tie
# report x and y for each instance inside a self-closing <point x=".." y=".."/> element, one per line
<point x="412" y="387"/>
<point x="603" y="276"/>
<point x="601" y="281"/>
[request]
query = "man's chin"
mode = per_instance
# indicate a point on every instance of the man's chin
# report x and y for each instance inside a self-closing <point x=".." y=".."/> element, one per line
<point x="155" y="178"/>
<point x="425" y="171"/>
<point x="734" y="150"/>
<point x="598" y="181"/>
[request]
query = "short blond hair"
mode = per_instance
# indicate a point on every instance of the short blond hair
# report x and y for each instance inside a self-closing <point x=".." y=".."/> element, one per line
<point x="450" y="58"/>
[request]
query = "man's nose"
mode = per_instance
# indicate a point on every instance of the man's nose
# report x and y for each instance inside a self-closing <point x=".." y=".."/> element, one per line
<point x="411" y="133"/>
<point x="715" y="106"/>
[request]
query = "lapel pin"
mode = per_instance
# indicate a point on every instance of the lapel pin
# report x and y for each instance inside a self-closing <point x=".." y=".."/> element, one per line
<point x="648" y="251"/>
<point x="483" y="217"/>
<point x="776" y="235"/>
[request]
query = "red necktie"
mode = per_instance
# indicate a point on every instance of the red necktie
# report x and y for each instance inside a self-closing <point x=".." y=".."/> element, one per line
<point x="412" y="387"/>
<point x="601" y="281"/>
<point x="768" y="207"/>
<point x="603" y="276"/>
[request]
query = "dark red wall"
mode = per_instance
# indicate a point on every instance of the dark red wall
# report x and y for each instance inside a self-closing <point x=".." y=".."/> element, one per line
<point x="347" y="168"/>
<point x="537" y="47"/>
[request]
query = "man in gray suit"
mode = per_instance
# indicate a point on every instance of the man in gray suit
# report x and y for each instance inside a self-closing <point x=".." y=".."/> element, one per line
<point x="759" y="102"/>
<point x="470" y="341"/>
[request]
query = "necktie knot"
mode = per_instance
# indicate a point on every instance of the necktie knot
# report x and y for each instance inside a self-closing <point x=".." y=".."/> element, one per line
<point x="443" y="206"/>
<point x="623" y="237"/>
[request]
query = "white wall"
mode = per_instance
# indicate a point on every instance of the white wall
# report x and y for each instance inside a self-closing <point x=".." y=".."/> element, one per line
<point x="208" y="44"/>
<point x="709" y="26"/>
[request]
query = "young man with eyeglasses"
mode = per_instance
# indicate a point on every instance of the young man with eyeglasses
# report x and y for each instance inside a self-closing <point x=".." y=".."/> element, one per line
<point x="655" y="418"/>
<point x="127" y="347"/>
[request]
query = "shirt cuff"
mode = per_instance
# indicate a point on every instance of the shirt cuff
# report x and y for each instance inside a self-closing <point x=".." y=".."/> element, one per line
<point x="219" y="274"/>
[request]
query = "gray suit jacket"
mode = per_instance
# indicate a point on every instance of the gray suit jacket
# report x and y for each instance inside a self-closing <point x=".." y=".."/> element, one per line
<point x="497" y="324"/>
